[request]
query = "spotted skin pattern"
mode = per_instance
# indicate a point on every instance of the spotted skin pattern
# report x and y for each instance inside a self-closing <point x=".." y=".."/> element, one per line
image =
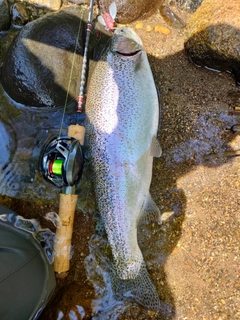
<point x="122" y="119"/>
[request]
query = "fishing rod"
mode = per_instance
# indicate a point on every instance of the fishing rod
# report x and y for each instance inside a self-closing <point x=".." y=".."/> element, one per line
<point x="61" y="163"/>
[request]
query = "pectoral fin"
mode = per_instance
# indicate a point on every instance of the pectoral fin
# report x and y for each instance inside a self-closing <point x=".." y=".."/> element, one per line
<point x="155" y="150"/>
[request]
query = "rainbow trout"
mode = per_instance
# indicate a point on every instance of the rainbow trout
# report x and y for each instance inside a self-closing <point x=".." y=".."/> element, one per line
<point x="122" y="113"/>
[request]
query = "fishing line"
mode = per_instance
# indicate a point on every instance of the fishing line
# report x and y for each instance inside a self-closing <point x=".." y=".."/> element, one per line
<point x="71" y="72"/>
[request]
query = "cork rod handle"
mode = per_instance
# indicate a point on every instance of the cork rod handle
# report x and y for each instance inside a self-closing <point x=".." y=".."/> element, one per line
<point x="63" y="238"/>
<point x="67" y="207"/>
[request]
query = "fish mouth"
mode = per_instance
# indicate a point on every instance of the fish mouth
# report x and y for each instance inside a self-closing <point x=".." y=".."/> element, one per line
<point x="128" y="54"/>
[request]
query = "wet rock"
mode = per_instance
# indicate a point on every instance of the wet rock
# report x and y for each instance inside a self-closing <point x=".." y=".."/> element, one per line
<point x="189" y="5"/>
<point x="53" y="5"/>
<point x="19" y="14"/>
<point x="213" y="36"/>
<point x="130" y="10"/>
<point x="5" y="20"/>
<point x="35" y="12"/>
<point x="36" y="70"/>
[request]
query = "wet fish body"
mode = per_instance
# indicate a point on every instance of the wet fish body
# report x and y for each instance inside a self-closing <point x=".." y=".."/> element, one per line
<point x="122" y="120"/>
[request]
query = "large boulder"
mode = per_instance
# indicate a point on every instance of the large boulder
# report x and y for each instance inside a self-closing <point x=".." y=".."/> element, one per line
<point x="41" y="66"/>
<point x="130" y="10"/>
<point x="213" y="36"/>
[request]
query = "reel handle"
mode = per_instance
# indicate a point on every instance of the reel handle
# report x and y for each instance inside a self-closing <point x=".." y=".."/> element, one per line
<point x="67" y="207"/>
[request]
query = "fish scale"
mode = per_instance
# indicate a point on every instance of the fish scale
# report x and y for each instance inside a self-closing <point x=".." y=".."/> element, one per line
<point x="122" y="120"/>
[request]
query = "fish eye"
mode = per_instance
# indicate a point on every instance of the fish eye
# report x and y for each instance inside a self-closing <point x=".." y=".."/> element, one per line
<point x="121" y="30"/>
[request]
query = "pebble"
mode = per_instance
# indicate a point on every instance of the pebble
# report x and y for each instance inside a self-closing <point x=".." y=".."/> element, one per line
<point x="162" y="29"/>
<point x="148" y="28"/>
<point x="139" y="26"/>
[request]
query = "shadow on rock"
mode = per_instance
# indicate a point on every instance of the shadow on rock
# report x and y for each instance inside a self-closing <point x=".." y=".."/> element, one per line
<point x="43" y="65"/>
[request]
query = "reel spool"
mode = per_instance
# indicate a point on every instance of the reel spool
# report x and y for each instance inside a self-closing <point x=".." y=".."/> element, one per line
<point x="61" y="161"/>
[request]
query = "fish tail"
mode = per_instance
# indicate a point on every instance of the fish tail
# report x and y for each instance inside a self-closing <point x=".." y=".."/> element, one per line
<point x="140" y="289"/>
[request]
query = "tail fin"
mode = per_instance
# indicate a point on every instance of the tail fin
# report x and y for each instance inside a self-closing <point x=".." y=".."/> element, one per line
<point x="139" y="289"/>
<point x="111" y="291"/>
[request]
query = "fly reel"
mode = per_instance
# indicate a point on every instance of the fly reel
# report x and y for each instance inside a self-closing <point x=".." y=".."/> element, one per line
<point x="61" y="161"/>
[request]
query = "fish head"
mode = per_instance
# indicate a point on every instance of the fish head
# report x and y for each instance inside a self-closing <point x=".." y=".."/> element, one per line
<point x="126" y="42"/>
